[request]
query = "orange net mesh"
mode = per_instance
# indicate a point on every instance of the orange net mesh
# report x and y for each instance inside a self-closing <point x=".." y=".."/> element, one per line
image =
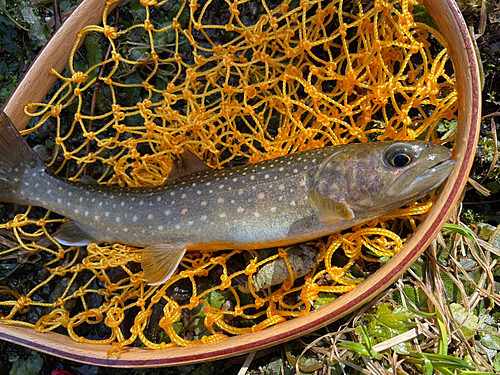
<point x="233" y="81"/>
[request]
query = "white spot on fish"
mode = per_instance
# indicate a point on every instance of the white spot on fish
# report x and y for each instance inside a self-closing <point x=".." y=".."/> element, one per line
<point x="96" y="217"/>
<point x="240" y="210"/>
<point x="86" y="213"/>
<point x="27" y="184"/>
<point x="240" y="192"/>
<point x="252" y="178"/>
<point x="172" y="193"/>
<point x="118" y="219"/>
<point x="266" y="176"/>
<point x="134" y="219"/>
<point x="37" y="185"/>
<point x="203" y="217"/>
<point x="77" y="211"/>
<point x="158" y="199"/>
<point x="190" y="222"/>
<point x="183" y="196"/>
<point x="280" y="198"/>
<point x="106" y="214"/>
<point x="198" y="192"/>
<point x="125" y="229"/>
<point x="235" y="179"/>
<point x="48" y="191"/>
<point x="256" y="214"/>
<point x="221" y="186"/>
<point x="177" y="226"/>
<point x="122" y="204"/>
<point x="295" y="170"/>
<point x="141" y="203"/>
<point x="167" y="212"/>
<point x="222" y="215"/>
<point x="281" y="187"/>
<point x="160" y="227"/>
<point x="292" y="203"/>
<point x="100" y="204"/>
<point x="303" y="182"/>
<point x="273" y="209"/>
<point x="150" y="216"/>
<point x="60" y="187"/>
<point x="208" y="183"/>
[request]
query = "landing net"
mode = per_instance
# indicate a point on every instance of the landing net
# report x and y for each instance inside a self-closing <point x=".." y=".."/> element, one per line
<point x="234" y="82"/>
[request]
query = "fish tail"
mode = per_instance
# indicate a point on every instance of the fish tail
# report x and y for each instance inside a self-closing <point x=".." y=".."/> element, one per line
<point x="16" y="157"/>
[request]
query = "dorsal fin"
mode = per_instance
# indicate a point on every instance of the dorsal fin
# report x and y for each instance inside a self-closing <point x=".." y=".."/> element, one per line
<point x="186" y="164"/>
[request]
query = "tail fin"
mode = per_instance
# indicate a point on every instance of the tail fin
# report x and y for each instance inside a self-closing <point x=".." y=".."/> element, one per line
<point x="16" y="157"/>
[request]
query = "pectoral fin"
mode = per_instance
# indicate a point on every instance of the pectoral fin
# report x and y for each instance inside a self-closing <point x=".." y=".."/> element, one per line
<point x="327" y="209"/>
<point x="72" y="234"/>
<point x="160" y="261"/>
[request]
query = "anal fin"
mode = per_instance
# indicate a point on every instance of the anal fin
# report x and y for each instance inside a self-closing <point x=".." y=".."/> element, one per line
<point x="160" y="261"/>
<point x="72" y="234"/>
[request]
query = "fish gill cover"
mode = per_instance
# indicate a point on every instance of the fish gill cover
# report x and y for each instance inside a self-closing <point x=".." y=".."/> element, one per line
<point x="234" y="82"/>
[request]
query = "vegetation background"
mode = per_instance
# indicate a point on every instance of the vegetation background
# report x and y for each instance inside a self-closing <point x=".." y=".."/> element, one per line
<point x="443" y="315"/>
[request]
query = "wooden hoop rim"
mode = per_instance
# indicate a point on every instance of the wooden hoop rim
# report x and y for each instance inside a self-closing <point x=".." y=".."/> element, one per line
<point x="461" y="49"/>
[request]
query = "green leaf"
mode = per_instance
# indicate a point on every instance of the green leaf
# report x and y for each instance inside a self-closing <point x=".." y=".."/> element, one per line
<point x="323" y="299"/>
<point x="94" y="52"/>
<point x="216" y="297"/>
<point x="443" y="361"/>
<point x="356" y="347"/>
<point x="487" y="339"/>
<point x="464" y="231"/>
<point x="467" y="321"/>
<point x="387" y="322"/>
<point x="421" y="313"/>
<point x="38" y="33"/>
<point x="29" y="366"/>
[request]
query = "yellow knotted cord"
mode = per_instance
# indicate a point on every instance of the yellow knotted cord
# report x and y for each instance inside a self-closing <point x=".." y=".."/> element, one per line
<point x="299" y="76"/>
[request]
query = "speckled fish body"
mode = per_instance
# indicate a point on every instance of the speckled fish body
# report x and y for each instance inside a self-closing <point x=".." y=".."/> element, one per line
<point x="276" y="202"/>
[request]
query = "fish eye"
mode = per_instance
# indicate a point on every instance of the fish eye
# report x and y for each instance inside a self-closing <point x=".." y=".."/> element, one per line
<point x="400" y="159"/>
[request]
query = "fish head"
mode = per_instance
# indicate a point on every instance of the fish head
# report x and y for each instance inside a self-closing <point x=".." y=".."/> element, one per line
<point x="373" y="178"/>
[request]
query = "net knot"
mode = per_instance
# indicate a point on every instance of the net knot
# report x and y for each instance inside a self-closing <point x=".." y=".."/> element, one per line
<point x="56" y="110"/>
<point x="79" y="77"/>
<point x="114" y="317"/>
<point x="110" y="32"/>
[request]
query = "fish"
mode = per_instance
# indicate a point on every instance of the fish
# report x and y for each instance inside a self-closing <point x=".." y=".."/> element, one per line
<point x="276" y="202"/>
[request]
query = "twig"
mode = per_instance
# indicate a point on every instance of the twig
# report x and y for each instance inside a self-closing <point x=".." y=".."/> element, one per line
<point x="57" y="15"/>
<point x="246" y="364"/>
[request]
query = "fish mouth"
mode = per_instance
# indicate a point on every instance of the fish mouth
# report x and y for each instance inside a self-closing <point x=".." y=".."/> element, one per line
<point x="441" y="169"/>
<point x="432" y="178"/>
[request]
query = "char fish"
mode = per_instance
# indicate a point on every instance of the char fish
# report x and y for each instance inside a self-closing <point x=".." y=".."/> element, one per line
<point x="276" y="202"/>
